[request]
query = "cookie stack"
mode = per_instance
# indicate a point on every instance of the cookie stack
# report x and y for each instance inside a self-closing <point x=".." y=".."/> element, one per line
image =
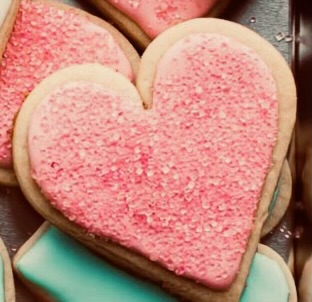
<point x="170" y="165"/>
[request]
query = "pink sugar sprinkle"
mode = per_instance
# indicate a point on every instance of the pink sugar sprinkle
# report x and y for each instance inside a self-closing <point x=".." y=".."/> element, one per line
<point x="45" y="39"/>
<point x="179" y="183"/>
<point x="156" y="16"/>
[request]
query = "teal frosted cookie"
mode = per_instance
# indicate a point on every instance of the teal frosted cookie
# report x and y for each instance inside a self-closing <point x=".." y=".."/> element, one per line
<point x="7" y="292"/>
<point x="77" y="275"/>
<point x="269" y="279"/>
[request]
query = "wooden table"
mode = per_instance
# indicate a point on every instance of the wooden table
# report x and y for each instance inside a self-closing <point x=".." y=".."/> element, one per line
<point x="270" y="18"/>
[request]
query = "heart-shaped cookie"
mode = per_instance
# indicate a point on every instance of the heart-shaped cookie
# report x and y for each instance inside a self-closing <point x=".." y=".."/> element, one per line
<point x="70" y="265"/>
<point x="178" y="192"/>
<point x="48" y="36"/>
<point x="144" y="20"/>
<point x="8" y="13"/>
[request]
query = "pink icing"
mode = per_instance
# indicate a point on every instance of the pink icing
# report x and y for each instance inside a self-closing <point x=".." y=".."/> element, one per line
<point x="45" y="39"/>
<point x="179" y="183"/>
<point x="156" y="16"/>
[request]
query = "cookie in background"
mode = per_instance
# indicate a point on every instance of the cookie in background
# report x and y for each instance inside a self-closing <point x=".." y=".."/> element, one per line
<point x="143" y="20"/>
<point x="76" y="274"/>
<point x="48" y="36"/>
<point x="280" y="201"/>
<point x="7" y="290"/>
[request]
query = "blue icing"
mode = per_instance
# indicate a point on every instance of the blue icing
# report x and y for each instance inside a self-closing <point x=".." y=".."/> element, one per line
<point x="69" y="272"/>
<point x="274" y="199"/>
<point x="266" y="282"/>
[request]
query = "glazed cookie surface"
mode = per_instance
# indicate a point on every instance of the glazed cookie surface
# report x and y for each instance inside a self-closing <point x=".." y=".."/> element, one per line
<point x="71" y="265"/>
<point x="269" y="278"/>
<point x="156" y="16"/>
<point x="48" y="36"/>
<point x="151" y="170"/>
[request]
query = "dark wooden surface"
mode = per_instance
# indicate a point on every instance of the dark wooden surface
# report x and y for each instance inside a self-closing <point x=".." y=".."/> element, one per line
<point x="271" y="19"/>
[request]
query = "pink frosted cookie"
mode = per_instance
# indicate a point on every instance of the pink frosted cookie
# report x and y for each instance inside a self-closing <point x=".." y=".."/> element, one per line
<point x="171" y="178"/>
<point x="48" y="36"/>
<point x="144" y="20"/>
